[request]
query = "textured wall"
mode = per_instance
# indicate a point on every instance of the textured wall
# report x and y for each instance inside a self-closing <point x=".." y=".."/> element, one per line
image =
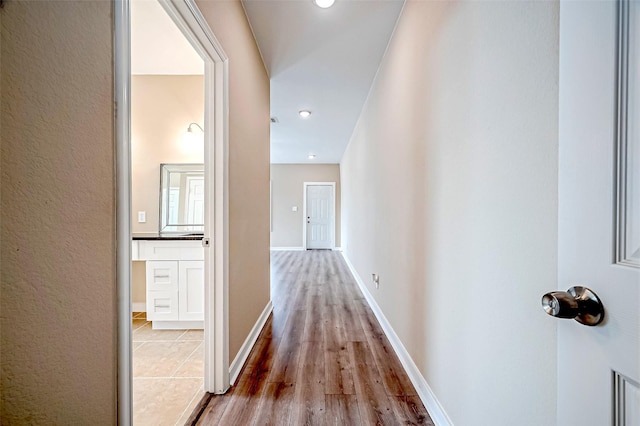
<point x="58" y="299"/>
<point x="287" y="190"/>
<point x="450" y="195"/>
<point x="249" y="125"/>
<point x="162" y="106"/>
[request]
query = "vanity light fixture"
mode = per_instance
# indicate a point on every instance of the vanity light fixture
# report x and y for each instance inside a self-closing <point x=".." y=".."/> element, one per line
<point x="193" y="139"/>
<point x="324" y="3"/>
<point x="311" y="156"/>
<point x="190" y="130"/>
<point x="304" y="113"/>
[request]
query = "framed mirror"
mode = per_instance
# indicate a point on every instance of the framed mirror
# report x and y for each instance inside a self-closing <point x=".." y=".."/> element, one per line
<point x="182" y="199"/>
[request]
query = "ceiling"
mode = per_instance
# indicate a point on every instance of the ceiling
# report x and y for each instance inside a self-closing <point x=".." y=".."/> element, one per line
<point x="157" y="45"/>
<point x="321" y="60"/>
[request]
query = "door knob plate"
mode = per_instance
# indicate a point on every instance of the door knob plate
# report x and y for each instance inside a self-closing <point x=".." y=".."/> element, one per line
<point x="579" y="303"/>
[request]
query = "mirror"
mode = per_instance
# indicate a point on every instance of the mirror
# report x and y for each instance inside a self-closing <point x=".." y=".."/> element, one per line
<point x="181" y="198"/>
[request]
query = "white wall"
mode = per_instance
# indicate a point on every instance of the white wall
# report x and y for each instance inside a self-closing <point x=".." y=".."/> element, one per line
<point x="450" y="195"/>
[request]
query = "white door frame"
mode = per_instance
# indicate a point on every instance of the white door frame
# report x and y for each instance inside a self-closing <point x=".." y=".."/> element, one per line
<point x="190" y="21"/>
<point x="304" y="215"/>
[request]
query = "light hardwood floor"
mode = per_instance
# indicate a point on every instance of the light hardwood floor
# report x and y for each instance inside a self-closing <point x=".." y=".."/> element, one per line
<point x="322" y="358"/>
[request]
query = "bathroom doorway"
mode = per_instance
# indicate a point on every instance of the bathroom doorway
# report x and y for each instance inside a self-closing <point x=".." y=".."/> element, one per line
<point x="175" y="95"/>
<point x="167" y="160"/>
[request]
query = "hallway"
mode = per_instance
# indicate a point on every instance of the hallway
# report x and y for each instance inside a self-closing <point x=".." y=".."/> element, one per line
<point x="322" y="357"/>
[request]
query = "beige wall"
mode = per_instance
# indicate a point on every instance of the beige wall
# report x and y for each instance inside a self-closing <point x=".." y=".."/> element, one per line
<point x="287" y="190"/>
<point x="249" y="126"/>
<point x="450" y="195"/>
<point x="162" y="106"/>
<point x="58" y="296"/>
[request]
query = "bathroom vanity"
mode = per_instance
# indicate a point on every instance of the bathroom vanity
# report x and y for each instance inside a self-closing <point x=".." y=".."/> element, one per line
<point x="174" y="256"/>
<point x="174" y="280"/>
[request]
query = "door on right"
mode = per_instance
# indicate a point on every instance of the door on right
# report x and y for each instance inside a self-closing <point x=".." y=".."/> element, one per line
<point x="599" y="209"/>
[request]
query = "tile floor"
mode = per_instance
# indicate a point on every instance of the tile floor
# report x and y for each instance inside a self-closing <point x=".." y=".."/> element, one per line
<point x="168" y="371"/>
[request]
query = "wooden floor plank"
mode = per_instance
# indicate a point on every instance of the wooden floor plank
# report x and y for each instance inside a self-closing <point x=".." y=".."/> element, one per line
<point x="275" y="405"/>
<point x="285" y="365"/>
<point x="342" y="410"/>
<point x="373" y="403"/>
<point x="322" y="357"/>
<point x="212" y="413"/>
<point x="308" y="403"/>
<point x="410" y="411"/>
<point x="338" y="372"/>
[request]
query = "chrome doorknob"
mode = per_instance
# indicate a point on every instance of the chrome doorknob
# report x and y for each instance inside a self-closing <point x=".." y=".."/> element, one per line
<point x="577" y="303"/>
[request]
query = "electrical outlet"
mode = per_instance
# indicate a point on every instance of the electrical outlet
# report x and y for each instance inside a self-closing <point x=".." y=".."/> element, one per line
<point x="376" y="280"/>
<point x="142" y="217"/>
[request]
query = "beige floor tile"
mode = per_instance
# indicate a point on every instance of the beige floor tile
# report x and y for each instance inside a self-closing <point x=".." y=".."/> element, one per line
<point x="192" y="406"/>
<point x="161" y="359"/>
<point x="146" y="333"/>
<point x="192" y="335"/>
<point x="160" y="402"/>
<point x="194" y="365"/>
<point x="136" y="323"/>
<point x="136" y="345"/>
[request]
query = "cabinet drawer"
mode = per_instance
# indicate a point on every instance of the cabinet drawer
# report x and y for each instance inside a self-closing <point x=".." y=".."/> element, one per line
<point x="162" y="305"/>
<point x="171" y="250"/>
<point x="162" y="275"/>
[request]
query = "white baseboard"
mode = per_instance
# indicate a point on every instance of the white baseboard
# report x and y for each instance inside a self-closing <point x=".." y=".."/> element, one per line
<point x="337" y="249"/>
<point x="177" y="325"/>
<point x="139" y="307"/>
<point x="245" y="349"/>
<point x="287" y="248"/>
<point x="431" y="403"/>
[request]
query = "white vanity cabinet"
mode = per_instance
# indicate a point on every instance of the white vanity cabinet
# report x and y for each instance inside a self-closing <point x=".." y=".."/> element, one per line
<point x="174" y="281"/>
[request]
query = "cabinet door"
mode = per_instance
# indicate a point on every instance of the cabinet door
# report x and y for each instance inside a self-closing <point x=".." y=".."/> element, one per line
<point x="162" y="305"/>
<point x="162" y="275"/>
<point x="191" y="290"/>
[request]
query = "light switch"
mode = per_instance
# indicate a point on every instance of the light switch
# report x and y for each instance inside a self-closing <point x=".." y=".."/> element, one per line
<point x="294" y="208"/>
<point x="142" y="217"/>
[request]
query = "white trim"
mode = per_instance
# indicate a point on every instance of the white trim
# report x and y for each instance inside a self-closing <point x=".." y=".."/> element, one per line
<point x="139" y="307"/>
<point x="304" y="212"/>
<point x="193" y="25"/>
<point x="337" y="249"/>
<point x="122" y="112"/>
<point x="287" y="248"/>
<point x="177" y="325"/>
<point x="428" y="398"/>
<point x="251" y="339"/>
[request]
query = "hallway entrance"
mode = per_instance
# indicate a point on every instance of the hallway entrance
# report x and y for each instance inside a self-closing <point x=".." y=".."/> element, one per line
<point x="321" y="357"/>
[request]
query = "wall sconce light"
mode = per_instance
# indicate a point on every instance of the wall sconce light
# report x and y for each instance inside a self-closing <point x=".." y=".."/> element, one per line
<point x="193" y="138"/>
<point x="190" y="130"/>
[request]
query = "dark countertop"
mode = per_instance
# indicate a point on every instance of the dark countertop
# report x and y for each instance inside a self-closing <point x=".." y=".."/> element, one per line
<point x="167" y="237"/>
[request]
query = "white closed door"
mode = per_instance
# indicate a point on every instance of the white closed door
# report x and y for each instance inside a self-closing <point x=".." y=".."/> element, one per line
<point x="599" y="211"/>
<point x="319" y="220"/>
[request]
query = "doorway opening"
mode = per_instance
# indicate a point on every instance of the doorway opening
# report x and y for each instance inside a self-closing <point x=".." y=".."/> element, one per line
<point x="205" y="278"/>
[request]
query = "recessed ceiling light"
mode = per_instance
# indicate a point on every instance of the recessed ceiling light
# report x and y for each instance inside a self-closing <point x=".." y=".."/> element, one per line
<point x="324" y="3"/>
<point x="304" y="113"/>
<point x="311" y="156"/>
